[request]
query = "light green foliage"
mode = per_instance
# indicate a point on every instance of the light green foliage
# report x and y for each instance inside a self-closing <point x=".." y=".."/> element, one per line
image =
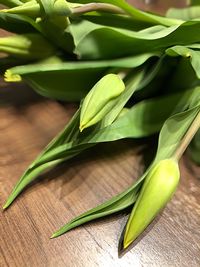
<point x="134" y="73"/>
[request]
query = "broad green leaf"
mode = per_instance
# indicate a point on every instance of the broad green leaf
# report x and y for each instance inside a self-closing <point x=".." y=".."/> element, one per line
<point x="75" y="78"/>
<point x="168" y="143"/>
<point x="115" y="21"/>
<point x="71" y="142"/>
<point x="143" y="119"/>
<point x="174" y="131"/>
<point x="96" y="42"/>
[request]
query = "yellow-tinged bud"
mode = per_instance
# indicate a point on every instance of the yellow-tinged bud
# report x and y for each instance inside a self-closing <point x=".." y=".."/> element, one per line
<point x="158" y="188"/>
<point x="100" y="100"/>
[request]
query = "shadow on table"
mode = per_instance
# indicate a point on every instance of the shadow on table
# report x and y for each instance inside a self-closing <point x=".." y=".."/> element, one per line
<point x="79" y="166"/>
<point x="17" y="95"/>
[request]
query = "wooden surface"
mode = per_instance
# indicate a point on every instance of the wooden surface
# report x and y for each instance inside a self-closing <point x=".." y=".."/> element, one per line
<point x="27" y="124"/>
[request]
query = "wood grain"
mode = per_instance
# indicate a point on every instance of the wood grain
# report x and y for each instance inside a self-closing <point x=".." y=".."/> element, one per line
<point x="27" y="124"/>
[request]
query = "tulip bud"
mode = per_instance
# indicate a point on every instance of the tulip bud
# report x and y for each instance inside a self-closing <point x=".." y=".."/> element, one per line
<point x="158" y="188"/>
<point x="28" y="46"/>
<point x="100" y="100"/>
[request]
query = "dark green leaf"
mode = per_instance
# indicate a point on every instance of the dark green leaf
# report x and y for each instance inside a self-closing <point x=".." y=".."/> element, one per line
<point x="170" y="137"/>
<point x="141" y="120"/>
<point x="75" y="78"/>
<point x="93" y="41"/>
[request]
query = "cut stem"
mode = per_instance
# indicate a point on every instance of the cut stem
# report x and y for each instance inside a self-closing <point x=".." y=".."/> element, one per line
<point x="188" y="137"/>
<point x="97" y="7"/>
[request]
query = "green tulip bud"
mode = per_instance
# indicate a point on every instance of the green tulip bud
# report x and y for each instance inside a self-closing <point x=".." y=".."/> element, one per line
<point x="100" y="100"/>
<point x="27" y="46"/>
<point x="158" y="188"/>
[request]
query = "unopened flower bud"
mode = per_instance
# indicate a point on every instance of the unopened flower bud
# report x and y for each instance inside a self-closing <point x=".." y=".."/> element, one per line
<point x="158" y="188"/>
<point x="100" y="100"/>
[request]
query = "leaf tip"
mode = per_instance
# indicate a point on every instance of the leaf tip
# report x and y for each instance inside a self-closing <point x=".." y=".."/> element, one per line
<point x="81" y="128"/>
<point x="54" y="235"/>
<point x="126" y="243"/>
<point x="5" y="206"/>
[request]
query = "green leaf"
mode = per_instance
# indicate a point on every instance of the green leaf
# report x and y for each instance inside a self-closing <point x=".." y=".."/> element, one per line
<point x="93" y="41"/>
<point x="136" y="13"/>
<point x="178" y="124"/>
<point x="39" y="165"/>
<point x="75" y="78"/>
<point x="168" y="143"/>
<point x="116" y="204"/>
<point x="115" y="21"/>
<point x="70" y="142"/>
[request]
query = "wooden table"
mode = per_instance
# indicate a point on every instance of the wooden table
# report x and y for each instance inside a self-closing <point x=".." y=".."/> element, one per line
<point x="28" y="122"/>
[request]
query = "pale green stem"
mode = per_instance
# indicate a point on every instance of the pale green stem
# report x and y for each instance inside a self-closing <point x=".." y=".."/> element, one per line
<point x="97" y="7"/>
<point x="187" y="138"/>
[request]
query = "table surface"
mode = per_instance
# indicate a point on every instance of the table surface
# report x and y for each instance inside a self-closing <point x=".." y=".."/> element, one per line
<point x="28" y="123"/>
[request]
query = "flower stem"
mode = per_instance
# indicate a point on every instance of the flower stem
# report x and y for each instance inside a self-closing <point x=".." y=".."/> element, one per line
<point x="188" y="137"/>
<point x="97" y="7"/>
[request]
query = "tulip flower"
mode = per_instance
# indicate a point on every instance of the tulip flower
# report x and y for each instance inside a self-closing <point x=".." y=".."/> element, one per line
<point x="158" y="188"/>
<point x="100" y="100"/>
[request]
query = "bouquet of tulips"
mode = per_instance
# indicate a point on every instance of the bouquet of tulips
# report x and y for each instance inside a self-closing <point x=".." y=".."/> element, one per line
<point x="134" y="73"/>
